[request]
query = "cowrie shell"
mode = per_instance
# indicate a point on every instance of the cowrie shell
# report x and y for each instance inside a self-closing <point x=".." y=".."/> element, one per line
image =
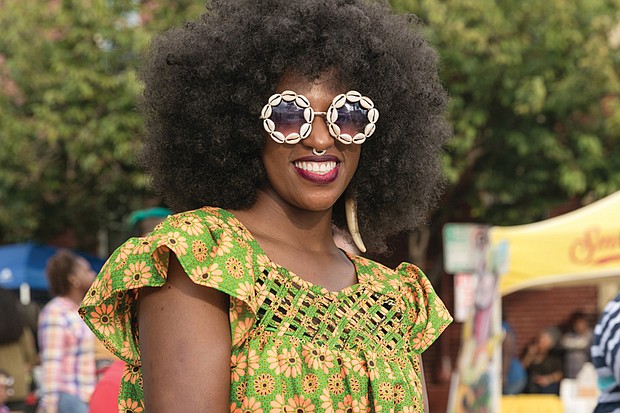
<point x="278" y="136"/>
<point x="354" y="96"/>
<point x="373" y="115"/>
<point x="288" y="95"/>
<point x="345" y="138"/>
<point x="339" y="101"/>
<point x="302" y="101"/>
<point x="332" y="114"/>
<point x="359" y="138"/>
<point x="266" y="112"/>
<point x="366" y="103"/>
<point x="305" y="130"/>
<point x="269" y="125"/>
<point x="275" y="100"/>
<point x="292" y="138"/>
<point x="309" y="115"/>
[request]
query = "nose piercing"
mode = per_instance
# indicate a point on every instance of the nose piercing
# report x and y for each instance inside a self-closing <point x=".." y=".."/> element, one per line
<point x="318" y="153"/>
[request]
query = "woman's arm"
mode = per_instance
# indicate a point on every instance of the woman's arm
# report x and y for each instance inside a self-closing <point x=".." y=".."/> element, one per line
<point x="185" y="346"/>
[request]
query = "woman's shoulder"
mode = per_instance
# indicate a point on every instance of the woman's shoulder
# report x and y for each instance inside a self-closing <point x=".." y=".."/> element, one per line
<point x="404" y="276"/>
<point x="413" y="293"/>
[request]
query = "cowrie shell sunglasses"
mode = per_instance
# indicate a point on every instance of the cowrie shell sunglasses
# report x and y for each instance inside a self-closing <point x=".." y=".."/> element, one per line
<point x="350" y="118"/>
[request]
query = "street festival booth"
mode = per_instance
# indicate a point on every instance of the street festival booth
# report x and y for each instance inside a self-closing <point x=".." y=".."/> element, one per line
<point x="582" y="246"/>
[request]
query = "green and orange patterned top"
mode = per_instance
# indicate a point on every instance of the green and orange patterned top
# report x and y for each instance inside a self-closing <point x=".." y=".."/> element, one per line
<point x="295" y="346"/>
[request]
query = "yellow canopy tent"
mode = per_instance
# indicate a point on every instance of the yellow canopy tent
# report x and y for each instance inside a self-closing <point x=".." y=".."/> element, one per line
<point x="580" y="246"/>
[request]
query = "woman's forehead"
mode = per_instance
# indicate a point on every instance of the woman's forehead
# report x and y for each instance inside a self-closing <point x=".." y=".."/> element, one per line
<point x="328" y="79"/>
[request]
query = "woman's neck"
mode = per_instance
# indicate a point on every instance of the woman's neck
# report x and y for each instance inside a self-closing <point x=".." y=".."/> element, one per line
<point x="276" y="221"/>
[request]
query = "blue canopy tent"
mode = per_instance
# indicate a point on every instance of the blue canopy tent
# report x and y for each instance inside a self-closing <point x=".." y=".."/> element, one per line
<point x="25" y="264"/>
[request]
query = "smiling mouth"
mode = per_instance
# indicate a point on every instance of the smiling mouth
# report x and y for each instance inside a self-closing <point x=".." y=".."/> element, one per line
<point x="318" y="168"/>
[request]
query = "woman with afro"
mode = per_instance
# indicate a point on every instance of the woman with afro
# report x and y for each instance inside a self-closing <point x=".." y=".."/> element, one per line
<point x="271" y="124"/>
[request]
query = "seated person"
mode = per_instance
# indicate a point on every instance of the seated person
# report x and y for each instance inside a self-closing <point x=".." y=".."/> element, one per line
<point x="544" y="366"/>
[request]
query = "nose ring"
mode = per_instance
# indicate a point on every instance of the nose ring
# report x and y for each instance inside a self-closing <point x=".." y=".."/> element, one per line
<point x="318" y="153"/>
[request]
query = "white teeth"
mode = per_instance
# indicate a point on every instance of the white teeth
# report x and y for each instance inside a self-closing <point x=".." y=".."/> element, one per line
<point x="320" y="168"/>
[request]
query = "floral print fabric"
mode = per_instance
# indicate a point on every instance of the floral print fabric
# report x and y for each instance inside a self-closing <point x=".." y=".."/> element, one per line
<point x="295" y="346"/>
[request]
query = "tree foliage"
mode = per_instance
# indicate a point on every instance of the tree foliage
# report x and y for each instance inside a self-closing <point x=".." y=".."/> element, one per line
<point x="535" y="108"/>
<point x="534" y="88"/>
<point x="69" y="128"/>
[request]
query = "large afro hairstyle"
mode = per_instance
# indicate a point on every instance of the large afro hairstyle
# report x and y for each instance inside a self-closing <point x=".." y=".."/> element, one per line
<point x="206" y="82"/>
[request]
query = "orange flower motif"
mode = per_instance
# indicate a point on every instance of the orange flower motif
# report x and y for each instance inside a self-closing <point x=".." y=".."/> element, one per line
<point x="424" y="338"/>
<point x="290" y="362"/>
<point x="177" y="243"/>
<point x="126" y="351"/>
<point x="102" y="319"/>
<point x="241" y="330"/>
<point x="264" y="384"/>
<point x="395" y="283"/>
<point x="373" y="374"/>
<point x="131" y="374"/>
<point x="263" y="262"/>
<point x="354" y="364"/>
<point x="273" y="360"/>
<point x="360" y="405"/>
<point x="224" y="246"/>
<point x="317" y="357"/>
<point x="130" y="406"/>
<point x="124" y="251"/>
<point x="442" y="311"/>
<point x="200" y="250"/>
<point x="190" y="224"/>
<point x="345" y="406"/>
<point x="327" y="403"/>
<point x="234" y="267"/>
<point x="144" y="246"/>
<point x="299" y="404"/>
<point x="310" y="383"/>
<point x="386" y="391"/>
<point x="245" y="291"/>
<point x="137" y="274"/>
<point x="362" y="261"/>
<point x="278" y="405"/>
<point x="335" y="384"/>
<point x="253" y="362"/>
<point x="399" y="393"/>
<point x="238" y="365"/>
<point x="247" y="406"/>
<point x="214" y="222"/>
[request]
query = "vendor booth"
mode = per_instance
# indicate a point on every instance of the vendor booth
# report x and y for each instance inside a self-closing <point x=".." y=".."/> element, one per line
<point x="578" y="248"/>
<point x="582" y="246"/>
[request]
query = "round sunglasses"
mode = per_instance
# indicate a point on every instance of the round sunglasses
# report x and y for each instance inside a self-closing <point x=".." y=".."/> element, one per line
<point x="351" y="117"/>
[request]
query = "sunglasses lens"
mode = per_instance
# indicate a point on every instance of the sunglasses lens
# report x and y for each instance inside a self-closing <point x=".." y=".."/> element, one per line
<point x="352" y="118"/>
<point x="287" y="117"/>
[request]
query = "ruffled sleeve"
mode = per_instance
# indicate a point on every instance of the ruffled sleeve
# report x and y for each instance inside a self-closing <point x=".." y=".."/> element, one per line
<point x="426" y="311"/>
<point x="213" y="249"/>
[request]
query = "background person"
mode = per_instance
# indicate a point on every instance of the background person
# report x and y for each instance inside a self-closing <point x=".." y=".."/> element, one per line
<point x="6" y="388"/>
<point x="66" y="344"/>
<point x="543" y="363"/>
<point x="575" y="343"/>
<point x="605" y="353"/>
<point x="514" y="376"/>
<point x="17" y="349"/>
<point x="244" y="301"/>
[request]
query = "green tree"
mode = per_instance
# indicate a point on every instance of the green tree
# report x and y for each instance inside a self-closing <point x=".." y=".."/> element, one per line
<point x="534" y="91"/>
<point x="69" y="128"/>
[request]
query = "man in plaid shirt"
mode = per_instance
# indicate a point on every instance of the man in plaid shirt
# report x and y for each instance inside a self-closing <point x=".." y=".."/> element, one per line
<point x="67" y="345"/>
